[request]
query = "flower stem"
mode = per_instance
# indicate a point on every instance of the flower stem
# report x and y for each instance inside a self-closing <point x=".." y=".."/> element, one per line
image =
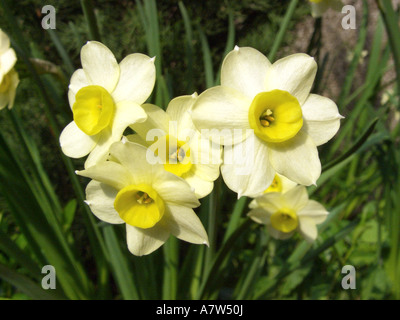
<point x="282" y="30"/>
<point x="88" y="11"/>
<point x="211" y="275"/>
<point x="212" y="224"/>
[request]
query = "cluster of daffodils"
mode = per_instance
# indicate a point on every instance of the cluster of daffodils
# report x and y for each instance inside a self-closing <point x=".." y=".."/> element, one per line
<point x="8" y="76"/>
<point x="260" y="128"/>
<point x="319" y="7"/>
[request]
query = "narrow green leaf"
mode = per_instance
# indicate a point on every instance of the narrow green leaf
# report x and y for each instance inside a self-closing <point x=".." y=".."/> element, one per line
<point x="120" y="266"/>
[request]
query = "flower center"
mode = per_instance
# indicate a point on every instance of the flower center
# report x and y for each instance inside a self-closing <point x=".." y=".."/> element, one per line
<point x="93" y="109"/>
<point x="276" y="185"/>
<point x="139" y="206"/>
<point x="5" y="84"/>
<point x="284" y="220"/>
<point x="174" y="154"/>
<point x="275" y="116"/>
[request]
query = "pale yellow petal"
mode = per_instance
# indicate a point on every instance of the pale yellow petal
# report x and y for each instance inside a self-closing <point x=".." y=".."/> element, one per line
<point x="260" y="215"/>
<point x="174" y="190"/>
<point x="246" y="168"/>
<point x="221" y="113"/>
<point x="245" y="69"/>
<point x="321" y="118"/>
<point x="185" y="225"/>
<point x="315" y="211"/>
<point x="137" y="78"/>
<point x="134" y="158"/>
<point x="100" y="65"/>
<point x="110" y="173"/>
<point x="75" y="143"/>
<point x="145" y="241"/>
<point x="297" y="159"/>
<point x="294" y="74"/>
<point x="156" y="124"/>
<point x="126" y="114"/>
<point x="296" y="198"/>
<point x="308" y="229"/>
<point x="100" y="198"/>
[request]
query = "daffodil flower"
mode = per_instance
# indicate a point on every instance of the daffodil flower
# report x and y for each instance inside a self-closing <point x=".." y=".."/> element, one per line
<point x="8" y="76"/>
<point x="152" y="202"/>
<point x="319" y="7"/>
<point x="285" y="213"/>
<point x="180" y="147"/>
<point x="273" y="101"/>
<point x="105" y="98"/>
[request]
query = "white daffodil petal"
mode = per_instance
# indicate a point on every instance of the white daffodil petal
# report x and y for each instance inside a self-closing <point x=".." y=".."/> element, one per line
<point x="101" y="149"/>
<point x="209" y="172"/>
<point x="315" y="211"/>
<point x="287" y="184"/>
<point x="297" y="159"/>
<point x="126" y="114"/>
<point x="134" y="158"/>
<point x="100" y="65"/>
<point x="179" y="110"/>
<point x="8" y="97"/>
<point x="294" y="74"/>
<point x="319" y="108"/>
<point x="207" y="155"/>
<point x="7" y="60"/>
<point x="245" y="69"/>
<point x="200" y="186"/>
<point x="321" y="131"/>
<point x="136" y="80"/>
<point x="296" y="198"/>
<point x="221" y="113"/>
<point x="185" y="224"/>
<point x="279" y="234"/>
<point x="75" y="143"/>
<point x="77" y="82"/>
<point x="322" y="118"/>
<point x="110" y="173"/>
<point x="174" y="189"/>
<point x="260" y="215"/>
<point x="246" y="168"/>
<point x="308" y="229"/>
<point x="100" y="197"/>
<point x="270" y="202"/>
<point x="145" y="241"/>
<point x="4" y="42"/>
<point x="156" y="125"/>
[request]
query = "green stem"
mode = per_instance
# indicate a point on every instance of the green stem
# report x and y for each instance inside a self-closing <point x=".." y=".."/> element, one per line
<point x="171" y="257"/>
<point x="391" y="23"/>
<point x="88" y="11"/>
<point x="212" y="224"/>
<point x="211" y="275"/>
<point x="284" y="26"/>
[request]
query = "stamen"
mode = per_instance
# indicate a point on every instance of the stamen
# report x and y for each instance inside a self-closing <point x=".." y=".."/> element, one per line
<point x="264" y="123"/>
<point x="266" y="118"/>
<point x="143" y="198"/>
<point x="179" y="155"/>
